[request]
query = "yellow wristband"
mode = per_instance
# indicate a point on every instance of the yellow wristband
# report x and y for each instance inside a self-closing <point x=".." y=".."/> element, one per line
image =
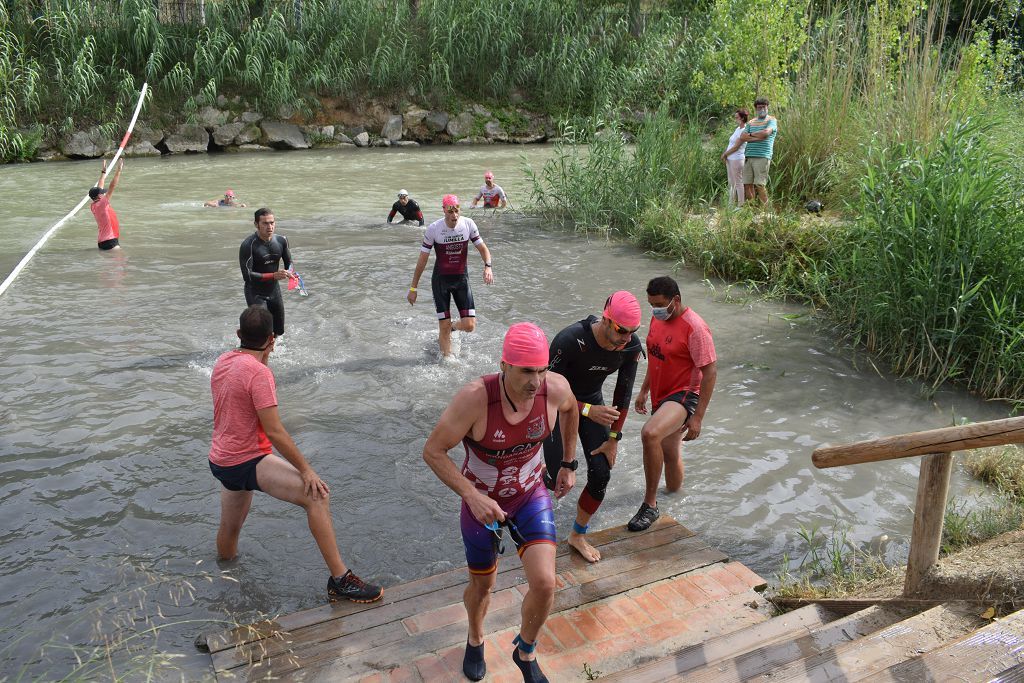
<point x="412" y="289"/>
<point x="586" y="410"/>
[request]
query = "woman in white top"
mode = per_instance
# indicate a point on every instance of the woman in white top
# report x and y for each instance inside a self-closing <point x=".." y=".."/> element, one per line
<point x="733" y="157"/>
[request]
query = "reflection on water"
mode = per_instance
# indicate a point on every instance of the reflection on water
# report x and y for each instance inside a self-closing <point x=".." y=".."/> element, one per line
<point x="107" y="413"/>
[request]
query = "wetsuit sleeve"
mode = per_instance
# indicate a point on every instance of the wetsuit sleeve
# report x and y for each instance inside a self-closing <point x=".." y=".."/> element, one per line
<point x="561" y="353"/>
<point x="623" y="394"/>
<point x="286" y="255"/>
<point x="392" y="214"/>
<point x="419" y="216"/>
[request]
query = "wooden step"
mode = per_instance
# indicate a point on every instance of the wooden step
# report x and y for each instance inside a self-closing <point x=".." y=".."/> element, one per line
<point x="894" y="644"/>
<point x="714" y="661"/>
<point x="784" y="627"/>
<point x="994" y="650"/>
<point x="1015" y="674"/>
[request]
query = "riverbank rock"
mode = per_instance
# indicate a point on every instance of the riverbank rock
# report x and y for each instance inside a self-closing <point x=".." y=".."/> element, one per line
<point x="406" y="143"/>
<point x="414" y="117"/>
<point x="211" y="117"/>
<point x="381" y="142"/>
<point x="461" y="125"/>
<point x="494" y="131"/>
<point x="188" y="138"/>
<point x="343" y="139"/>
<point x="248" y="135"/>
<point x="362" y="139"/>
<point x="436" y="121"/>
<point x="474" y="140"/>
<point x="141" y="149"/>
<point x="392" y="130"/>
<point x="253" y="148"/>
<point x="86" y="144"/>
<point x="251" y="117"/>
<point x="283" y="135"/>
<point x="225" y="135"/>
<point x="145" y="133"/>
<point x="481" y="111"/>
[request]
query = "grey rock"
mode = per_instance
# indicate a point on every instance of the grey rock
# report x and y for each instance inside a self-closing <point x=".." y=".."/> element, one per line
<point x="342" y="138"/>
<point x="480" y="110"/>
<point x="285" y="111"/>
<point x="143" y="133"/>
<point x="494" y="131"/>
<point x="211" y="117"/>
<point x="141" y="149"/>
<point x="392" y="130"/>
<point x="529" y="139"/>
<point x="362" y="139"/>
<point x="249" y="134"/>
<point x="283" y="135"/>
<point x="461" y="125"/>
<point x="474" y="140"/>
<point x="251" y="116"/>
<point x="222" y="101"/>
<point x="87" y="144"/>
<point x="346" y="145"/>
<point x="381" y="142"/>
<point x="226" y="134"/>
<point x="415" y="116"/>
<point x="356" y="130"/>
<point x="406" y="143"/>
<point x="253" y="148"/>
<point x="48" y="155"/>
<point x="327" y="131"/>
<point x="436" y="121"/>
<point x="188" y="138"/>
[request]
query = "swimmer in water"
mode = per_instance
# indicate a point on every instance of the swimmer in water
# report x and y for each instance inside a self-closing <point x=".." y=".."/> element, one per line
<point x="406" y="206"/>
<point x="451" y="236"/>
<point x="109" y="234"/>
<point x="260" y="258"/>
<point x="492" y="194"/>
<point x="227" y="200"/>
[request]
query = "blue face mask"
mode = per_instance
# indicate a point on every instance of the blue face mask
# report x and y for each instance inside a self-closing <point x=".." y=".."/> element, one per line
<point x="661" y="312"/>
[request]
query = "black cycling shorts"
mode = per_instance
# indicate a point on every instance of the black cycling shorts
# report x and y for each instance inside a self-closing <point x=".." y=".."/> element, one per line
<point x="241" y="477"/>
<point x="448" y="287"/>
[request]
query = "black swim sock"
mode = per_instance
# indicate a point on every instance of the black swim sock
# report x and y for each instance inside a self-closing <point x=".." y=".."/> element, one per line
<point x="473" y="664"/>
<point x="531" y="670"/>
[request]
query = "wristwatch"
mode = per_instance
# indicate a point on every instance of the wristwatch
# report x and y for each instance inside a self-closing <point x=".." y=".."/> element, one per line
<point x="570" y="465"/>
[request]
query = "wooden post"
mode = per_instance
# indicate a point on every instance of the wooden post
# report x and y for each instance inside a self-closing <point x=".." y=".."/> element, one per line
<point x="929" y="510"/>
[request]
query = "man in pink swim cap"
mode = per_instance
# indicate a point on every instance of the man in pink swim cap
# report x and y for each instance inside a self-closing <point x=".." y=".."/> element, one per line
<point x="502" y="421"/>
<point x="450" y="237"/>
<point x="228" y="199"/>
<point x="681" y="373"/>
<point x="492" y="194"/>
<point x="586" y="353"/>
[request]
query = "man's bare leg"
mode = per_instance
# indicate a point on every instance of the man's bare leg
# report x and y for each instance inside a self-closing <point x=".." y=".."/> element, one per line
<point x="467" y="324"/>
<point x="477" y="598"/>
<point x="277" y="477"/>
<point x="672" y="447"/>
<point x="666" y="421"/>
<point x="234" y="508"/>
<point x="444" y="336"/>
<point x="539" y="565"/>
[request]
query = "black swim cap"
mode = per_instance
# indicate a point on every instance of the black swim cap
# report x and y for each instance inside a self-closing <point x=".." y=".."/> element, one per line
<point x="95" y="192"/>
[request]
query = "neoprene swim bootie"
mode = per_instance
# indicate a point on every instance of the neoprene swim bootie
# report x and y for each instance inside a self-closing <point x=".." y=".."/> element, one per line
<point x="473" y="664"/>
<point x="531" y="669"/>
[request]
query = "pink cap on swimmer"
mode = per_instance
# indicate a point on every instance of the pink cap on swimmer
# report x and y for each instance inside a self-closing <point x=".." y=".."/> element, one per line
<point x="449" y="200"/>
<point x="488" y="176"/>
<point x="525" y="346"/>
<point x="623" y="308"/>
<point x="229" y="193"/>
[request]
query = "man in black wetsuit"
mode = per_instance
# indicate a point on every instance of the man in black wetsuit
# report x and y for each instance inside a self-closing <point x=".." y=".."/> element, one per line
<point x="260" y="258"/>
<point x="406" y="206"/>
<point x="586" y="353"/>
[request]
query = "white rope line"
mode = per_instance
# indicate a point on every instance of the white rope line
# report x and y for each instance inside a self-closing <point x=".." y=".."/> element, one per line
<point x="71" y="214"/>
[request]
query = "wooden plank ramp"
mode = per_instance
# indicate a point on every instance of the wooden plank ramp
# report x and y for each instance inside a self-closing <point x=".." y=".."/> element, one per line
<point x="652" y="593"/>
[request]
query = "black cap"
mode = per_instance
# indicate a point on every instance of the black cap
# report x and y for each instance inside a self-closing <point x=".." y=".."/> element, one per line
<point x="95" y="192"/>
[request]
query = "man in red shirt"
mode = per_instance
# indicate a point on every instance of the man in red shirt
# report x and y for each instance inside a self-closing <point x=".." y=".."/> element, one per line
<point x="681" y="373"/>
<point x="106" y="220"/>
<point x="245" y="424"/>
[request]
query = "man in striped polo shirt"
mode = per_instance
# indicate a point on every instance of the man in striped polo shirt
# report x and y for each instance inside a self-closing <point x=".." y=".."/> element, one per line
<point x="760" y="138"/>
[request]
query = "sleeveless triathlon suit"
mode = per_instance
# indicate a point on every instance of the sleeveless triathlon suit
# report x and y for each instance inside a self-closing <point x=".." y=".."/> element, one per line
<point x="507" y="466"/>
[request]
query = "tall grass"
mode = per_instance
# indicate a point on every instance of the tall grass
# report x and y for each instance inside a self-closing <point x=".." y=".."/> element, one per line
<point x="561" y="55"/>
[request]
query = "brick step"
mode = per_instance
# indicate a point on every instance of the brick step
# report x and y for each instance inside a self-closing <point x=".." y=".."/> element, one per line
<point x="995" y="650"/>
<point x="761" y="648"/>
<point x="891" y="645"/>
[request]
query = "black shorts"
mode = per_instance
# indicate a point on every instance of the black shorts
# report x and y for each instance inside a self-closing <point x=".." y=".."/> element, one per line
<point x="240" y="477"/>
<point x="688" y="399"/>
<point x="272" y="301"/>
<point x="108" y="244"/>
<point x="448" y="287"/>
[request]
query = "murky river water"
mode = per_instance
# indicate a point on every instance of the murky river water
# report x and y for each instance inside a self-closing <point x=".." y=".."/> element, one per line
<point x="105" y="495"/>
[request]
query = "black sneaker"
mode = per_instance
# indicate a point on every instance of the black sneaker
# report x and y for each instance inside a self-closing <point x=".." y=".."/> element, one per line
<point x="644" y="518"/>
<point x="351" y="587"/>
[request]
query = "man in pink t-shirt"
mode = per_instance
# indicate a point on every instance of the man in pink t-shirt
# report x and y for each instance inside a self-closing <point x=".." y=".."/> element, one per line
<point x="245" y="426"/>
<point x="681" y="374"/>
<point x="109" y="229"/>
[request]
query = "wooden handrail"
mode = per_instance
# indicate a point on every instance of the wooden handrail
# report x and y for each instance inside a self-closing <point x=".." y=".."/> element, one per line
<point x="937" y="445"/>
<point x="945" y="440"/>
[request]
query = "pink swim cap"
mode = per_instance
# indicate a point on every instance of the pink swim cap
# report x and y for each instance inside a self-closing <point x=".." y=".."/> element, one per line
<point x="449" y="200"/>
<point x="525" y="346"/>
<point x="488" y="176"/>
<point x="229" y="193"/>
<point x="623" y="308"/>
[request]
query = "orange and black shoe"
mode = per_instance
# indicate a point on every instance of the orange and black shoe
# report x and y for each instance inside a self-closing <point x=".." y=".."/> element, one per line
<point x="351" y="587"/>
